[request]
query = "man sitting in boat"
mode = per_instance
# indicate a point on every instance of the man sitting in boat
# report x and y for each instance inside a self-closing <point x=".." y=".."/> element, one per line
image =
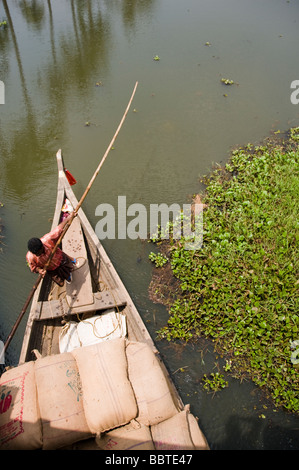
<point x="40" y="249"/>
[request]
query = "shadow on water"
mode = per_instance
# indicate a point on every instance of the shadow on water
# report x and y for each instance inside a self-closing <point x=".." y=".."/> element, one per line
<point x="240" y="416"/>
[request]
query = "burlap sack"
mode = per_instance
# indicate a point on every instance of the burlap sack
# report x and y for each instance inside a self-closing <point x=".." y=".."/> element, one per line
<point x="198" y="439"/>
<point x="60" y="401"/>
<point x="20" y="426"/>
<point x="173" y="434"/>
<point x="128" y="437"/>
<point x="153" y="395"/>
<point x="109" y="399"/>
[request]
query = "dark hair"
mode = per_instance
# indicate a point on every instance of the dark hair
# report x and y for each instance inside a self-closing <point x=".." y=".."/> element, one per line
<point x="35" y="245"/>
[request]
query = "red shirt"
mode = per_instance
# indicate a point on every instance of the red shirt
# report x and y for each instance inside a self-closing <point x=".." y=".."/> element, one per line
<point x="49" y="240"/>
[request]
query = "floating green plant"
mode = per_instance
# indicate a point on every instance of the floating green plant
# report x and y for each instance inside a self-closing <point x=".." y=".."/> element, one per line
<point x="241" y="288"/>
<point x="158" y="259"/>
<point x="214" y="382"/>
<point x="294" y="133"/>
<point x="227" y="81"/>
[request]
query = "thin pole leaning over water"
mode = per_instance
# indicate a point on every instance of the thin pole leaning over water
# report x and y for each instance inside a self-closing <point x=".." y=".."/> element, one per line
<point x="29" y="298"/>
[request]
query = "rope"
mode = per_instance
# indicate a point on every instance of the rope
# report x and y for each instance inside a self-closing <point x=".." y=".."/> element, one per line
<point x="93" y="324"/>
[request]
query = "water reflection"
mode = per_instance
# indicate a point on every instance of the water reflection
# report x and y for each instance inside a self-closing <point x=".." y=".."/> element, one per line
<point x="33" y="12"/>
<point x="80" y="40"/>
<point x="69" y="62"/>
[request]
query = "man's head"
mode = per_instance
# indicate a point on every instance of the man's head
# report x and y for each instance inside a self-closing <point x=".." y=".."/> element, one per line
<point x="35" y="246"/>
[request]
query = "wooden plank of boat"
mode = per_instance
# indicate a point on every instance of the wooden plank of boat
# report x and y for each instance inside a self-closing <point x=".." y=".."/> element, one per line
<point x="79" y="291"/>
<point x="51" y="309"/>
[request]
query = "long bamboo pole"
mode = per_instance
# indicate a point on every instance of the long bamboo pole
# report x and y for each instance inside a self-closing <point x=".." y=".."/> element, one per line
<point x="68" y="223"/>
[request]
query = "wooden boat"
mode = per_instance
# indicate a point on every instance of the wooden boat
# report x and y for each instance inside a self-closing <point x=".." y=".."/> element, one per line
<point x="96" y="288"/>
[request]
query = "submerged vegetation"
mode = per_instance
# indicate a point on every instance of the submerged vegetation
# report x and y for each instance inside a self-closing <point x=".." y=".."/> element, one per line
<point x="241" y="288"/>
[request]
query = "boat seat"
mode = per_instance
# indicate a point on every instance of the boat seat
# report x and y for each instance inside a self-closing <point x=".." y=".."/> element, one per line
<point x="51" y="309"/>
<point x="79" y="291"/>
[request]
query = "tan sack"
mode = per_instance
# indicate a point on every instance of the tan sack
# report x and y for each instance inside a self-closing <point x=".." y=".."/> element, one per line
<point x="198" y="439"/>
<point x="173" y="434"/>
<point x="60" y="401"/>
<point x="154" y="400"/>
<point x="108" y="397"/>
<point x="20" y="426"/>
<point x="128" y="437"/>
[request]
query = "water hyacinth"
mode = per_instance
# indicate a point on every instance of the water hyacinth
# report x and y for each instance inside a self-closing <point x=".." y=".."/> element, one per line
<point x="241" y="288"/>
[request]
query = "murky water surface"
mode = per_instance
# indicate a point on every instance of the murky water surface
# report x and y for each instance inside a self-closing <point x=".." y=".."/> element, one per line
<point x="69" y="68"/>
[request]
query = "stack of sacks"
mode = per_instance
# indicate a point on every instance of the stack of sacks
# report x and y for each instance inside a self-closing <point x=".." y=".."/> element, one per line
<point x="180" y="432"/>
<point x="153" y="397"/>
<point x="159" y="424"/>
<point x="61" y="399"/>
<point x="114" y="390"/>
